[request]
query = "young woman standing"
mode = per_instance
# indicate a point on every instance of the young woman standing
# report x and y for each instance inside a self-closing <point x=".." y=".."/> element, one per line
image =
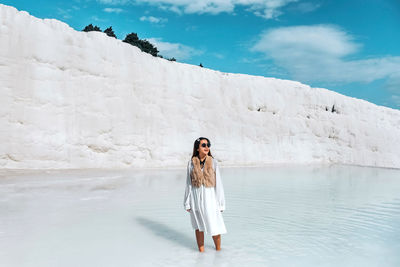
<point x="204" y="195"/>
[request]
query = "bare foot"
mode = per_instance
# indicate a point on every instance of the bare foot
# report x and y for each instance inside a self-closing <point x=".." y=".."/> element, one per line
<point x="200" y="240"/>
<point x="217" y="242"/>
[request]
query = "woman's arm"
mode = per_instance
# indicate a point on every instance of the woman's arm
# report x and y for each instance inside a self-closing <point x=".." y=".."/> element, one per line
<point x="188" y="190"/>
<point x="219" y="189"/>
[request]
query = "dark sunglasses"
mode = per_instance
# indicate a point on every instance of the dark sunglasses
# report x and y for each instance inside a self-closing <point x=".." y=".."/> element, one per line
<point x="204" y="144"/>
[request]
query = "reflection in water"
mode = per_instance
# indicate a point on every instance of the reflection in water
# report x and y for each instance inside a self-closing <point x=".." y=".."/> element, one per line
<point x="318" y="214"/>
<point x="276" y="216"/>
<point x="166" y="232"/>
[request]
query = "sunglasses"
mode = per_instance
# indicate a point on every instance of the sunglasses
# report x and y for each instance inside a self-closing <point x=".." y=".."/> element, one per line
<point x="204" y="144"/>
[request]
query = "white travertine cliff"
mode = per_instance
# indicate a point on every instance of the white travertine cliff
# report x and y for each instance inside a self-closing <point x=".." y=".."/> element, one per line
<point x="72" y="99"/>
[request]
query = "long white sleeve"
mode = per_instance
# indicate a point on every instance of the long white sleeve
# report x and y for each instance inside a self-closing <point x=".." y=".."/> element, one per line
<point x="188" y="190"/>
<point x="219" y="189"/>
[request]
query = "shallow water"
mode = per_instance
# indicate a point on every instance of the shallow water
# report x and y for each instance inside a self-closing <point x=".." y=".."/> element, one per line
<point x="276" y="216"/>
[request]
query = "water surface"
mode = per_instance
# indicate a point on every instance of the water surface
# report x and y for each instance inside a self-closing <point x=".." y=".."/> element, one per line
<point x="276" y="216"/>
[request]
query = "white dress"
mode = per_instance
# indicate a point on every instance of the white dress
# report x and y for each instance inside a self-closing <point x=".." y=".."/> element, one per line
<point x="205" y="203"/>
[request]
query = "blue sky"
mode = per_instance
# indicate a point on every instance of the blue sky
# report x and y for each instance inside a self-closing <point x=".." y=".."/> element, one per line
<point x="348" y="46"/>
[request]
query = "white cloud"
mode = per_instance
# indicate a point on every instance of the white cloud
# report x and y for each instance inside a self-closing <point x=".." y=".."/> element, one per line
<point x="152" y="19"/>
<point x="320" y="52"/>
<point x="268" y="9"/>
<point x="95" y="18"/>
<point x="393" y="83"/>
<point x="113" y="10"/>
<point x="191" y="28"/>
<point x="307" y="7"/>
<point x="308" y="40"/>
<point x="396" y="100"/>
<point x="176" y="50"/>
<point x="114" y="2"/>
<point x="65" y="13"/>
<point x="218" y="55"/>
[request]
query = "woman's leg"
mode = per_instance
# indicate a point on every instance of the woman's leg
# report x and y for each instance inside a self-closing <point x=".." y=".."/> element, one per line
<point x="200" y="240"/>
<point x="217" y="241"/>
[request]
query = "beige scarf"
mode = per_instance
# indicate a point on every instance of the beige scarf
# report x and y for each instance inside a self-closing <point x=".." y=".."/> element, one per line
<point x="205" y="177"/>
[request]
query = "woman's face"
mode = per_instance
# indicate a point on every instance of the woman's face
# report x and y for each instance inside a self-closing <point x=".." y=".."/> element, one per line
<point x="203" y="150"/>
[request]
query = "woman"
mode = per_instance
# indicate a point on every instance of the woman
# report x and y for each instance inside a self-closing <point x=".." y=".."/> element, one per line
<point x="204" y="195"/>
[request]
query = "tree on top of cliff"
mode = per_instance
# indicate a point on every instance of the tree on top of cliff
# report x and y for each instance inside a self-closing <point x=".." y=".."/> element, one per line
<point x="143" y="45"/>
<point x="149" y="47"/>
<point x="131" y="38"/>
<point x="109" y="31"/>
<point x="90" y="28"/>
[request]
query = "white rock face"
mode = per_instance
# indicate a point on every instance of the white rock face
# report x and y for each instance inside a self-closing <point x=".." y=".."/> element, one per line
<point x="72" y="99"/>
